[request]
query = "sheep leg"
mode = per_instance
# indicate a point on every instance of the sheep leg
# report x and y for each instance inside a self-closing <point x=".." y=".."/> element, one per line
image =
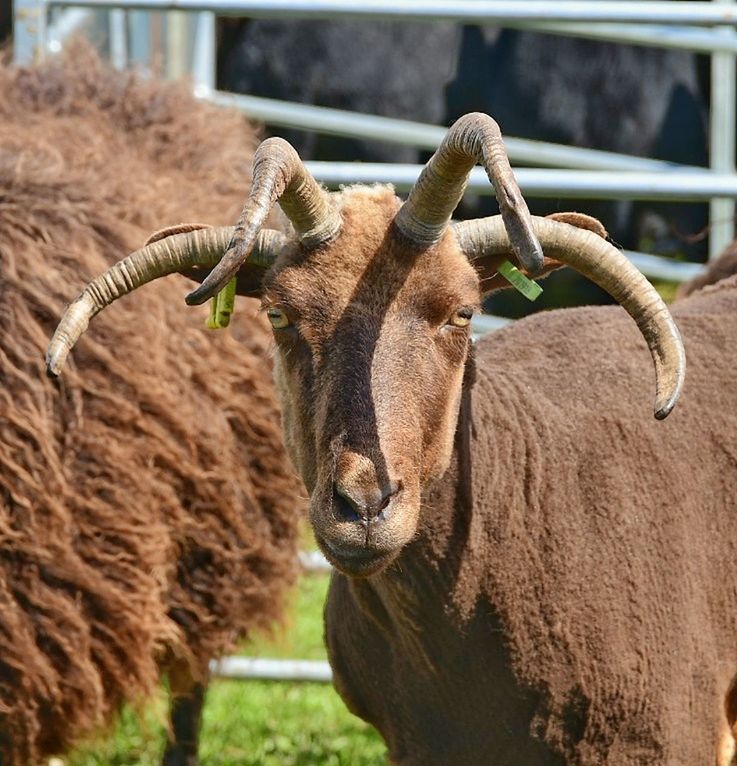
<point x="185" y="715"/>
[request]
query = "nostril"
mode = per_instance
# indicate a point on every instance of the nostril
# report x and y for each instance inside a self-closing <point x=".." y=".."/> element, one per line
<point x="364" y="505"/>
<point x="345" y="508"/>
<point x="389" y="493"/>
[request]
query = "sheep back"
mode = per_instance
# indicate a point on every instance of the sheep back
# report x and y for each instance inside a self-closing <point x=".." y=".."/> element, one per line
<point x="607" y="544"/>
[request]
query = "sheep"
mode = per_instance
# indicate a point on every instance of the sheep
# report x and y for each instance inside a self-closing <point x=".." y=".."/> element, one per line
<point x="529" y="569"/>
<point x="148" y="514"/>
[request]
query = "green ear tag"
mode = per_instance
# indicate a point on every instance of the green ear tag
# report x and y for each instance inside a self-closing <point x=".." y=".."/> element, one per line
<point x="221" y="307"/>
<point x="531" y="290"/>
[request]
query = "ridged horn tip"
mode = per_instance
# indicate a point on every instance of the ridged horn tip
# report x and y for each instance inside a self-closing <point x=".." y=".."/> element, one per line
<point x="200" y="294"/>
<point x="666" y="399"/>
<point x="663" y="410"/>
<point x="53" y="368"/>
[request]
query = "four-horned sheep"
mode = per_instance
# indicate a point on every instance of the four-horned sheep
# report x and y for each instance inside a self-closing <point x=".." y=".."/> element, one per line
<point x="531" y="569"/>
<point x="148" y="512"/>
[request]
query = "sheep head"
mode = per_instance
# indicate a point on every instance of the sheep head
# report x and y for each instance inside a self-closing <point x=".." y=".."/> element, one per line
<point x="370" y="300"/>
<point x="369" y="367"/>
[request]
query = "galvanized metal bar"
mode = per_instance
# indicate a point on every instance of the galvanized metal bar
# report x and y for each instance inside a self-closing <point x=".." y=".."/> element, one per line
<point x="176" y="44"/>
<point x="372" y="127"/>
<point x="686" y="38"/>
<point x="649" y="35"/>
<point x="29" y="31"/>
<point x="485" y="323"/>
<point x="466" y="11"/>
<point x="314" y="561"/>
<point x="699" y="185"/>
<point x="658" y="267"/>
<point x="203" y="55"/>
<point x="258" y="668"/>
<point x="118" y="26"/>
<point x="722" y="138"/>
<point x="139" y="51"/>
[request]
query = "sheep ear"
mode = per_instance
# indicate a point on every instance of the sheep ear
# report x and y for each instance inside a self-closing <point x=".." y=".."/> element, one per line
<point x="582" y="221"/>
<point x="488" y="266"/>
<point x="491" y="280"/>
<point x="179" y="228"/>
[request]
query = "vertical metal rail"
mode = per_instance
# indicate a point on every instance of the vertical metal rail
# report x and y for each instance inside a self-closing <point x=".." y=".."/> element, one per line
<point x="722" y="140"/>
<point x="29" y="31"/>
<point x="177" y="25"/>
<point x="139" y="50"/>
<point x="118" y="32"/>
<point x="204" y="55"/>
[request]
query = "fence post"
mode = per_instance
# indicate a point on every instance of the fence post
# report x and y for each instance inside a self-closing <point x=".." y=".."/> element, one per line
<point x="29" y="31"/>
<point x="118" y="33"/>
<point x="139" y="47"/>
<point x="204" y="59"/>
<point x="177" y="46"/>
<point x="722" y="141"/>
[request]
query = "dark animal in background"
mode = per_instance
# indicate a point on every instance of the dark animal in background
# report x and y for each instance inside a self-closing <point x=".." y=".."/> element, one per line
<point x="630" y="99"/>
<point x="6" y="19"/>
<point x="383" y="68"/>
<point x="148" y="512"/>
<point x="633" y="100"/>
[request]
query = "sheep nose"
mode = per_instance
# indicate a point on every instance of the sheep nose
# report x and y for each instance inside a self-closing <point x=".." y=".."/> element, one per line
<point x="367" y="505"/>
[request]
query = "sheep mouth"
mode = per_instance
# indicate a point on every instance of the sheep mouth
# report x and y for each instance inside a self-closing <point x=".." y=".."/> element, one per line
<point x="356" y="561"/>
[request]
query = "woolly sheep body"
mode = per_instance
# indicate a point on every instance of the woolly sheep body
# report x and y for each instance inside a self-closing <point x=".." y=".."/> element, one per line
<point x="147" y="509"/>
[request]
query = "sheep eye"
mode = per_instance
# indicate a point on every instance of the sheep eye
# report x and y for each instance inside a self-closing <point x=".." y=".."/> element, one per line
<point x="461" y="318"/>
<point x="279" y="320"/>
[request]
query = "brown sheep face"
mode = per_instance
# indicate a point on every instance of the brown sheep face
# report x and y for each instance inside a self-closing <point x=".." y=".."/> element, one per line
<point x="371" y="338"/>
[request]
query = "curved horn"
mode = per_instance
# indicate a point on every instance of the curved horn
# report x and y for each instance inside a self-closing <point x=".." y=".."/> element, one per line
<point x="178" y="252"/>
<point x="278" y="174"/>
<point x="427" y="212"/>
<point x="595" y="258"/>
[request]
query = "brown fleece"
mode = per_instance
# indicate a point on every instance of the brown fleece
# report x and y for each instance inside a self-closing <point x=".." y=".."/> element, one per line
<point x="147" y="508"/>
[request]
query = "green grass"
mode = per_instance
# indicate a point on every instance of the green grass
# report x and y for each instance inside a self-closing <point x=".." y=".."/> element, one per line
<point x="257" y="723"/>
